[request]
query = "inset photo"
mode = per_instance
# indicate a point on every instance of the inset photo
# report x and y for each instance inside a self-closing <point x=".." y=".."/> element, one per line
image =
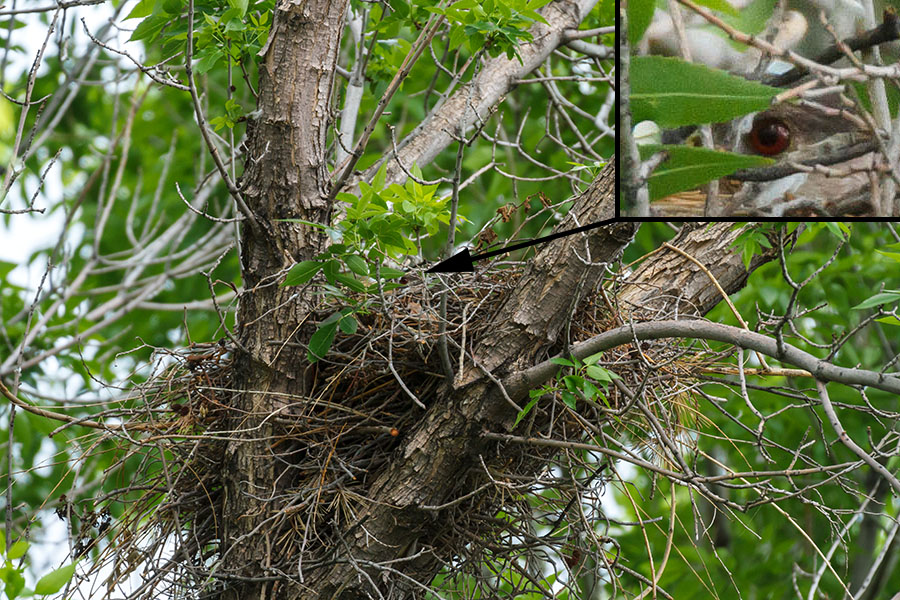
<point x="749" y="109"/>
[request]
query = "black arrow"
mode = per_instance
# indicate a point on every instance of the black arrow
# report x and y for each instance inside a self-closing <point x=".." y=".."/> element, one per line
<point x="462" y="262"/>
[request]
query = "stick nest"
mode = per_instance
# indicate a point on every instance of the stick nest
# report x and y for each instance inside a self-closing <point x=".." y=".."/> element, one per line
<point x="332" y="444"/>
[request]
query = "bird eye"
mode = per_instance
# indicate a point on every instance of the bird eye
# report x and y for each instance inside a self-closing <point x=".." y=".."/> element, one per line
<point x="770" y="136"/>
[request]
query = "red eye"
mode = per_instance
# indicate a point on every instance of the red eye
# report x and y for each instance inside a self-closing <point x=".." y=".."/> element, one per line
<point x="770" y="136"/>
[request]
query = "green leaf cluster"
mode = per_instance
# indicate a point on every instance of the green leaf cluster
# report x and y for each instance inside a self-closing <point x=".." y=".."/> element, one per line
<point x="751" y="241"/>
<point x="498" y="26"/>
<point x="587" y="381"/>
<point x="13" y="579"/>
<point x="229" y="32"/>
<point x="381" y="227"/>
<point x="851" y="274"/>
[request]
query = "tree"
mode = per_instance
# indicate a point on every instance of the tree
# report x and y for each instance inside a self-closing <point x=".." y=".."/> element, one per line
<point x="275" y="401"/>
<point x="295" y="166"/>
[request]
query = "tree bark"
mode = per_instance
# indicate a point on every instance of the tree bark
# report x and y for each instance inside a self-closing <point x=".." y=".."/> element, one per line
<point x="285" y="177"/>
<point x="672" y="283"/>
<point x="446" y="445"/>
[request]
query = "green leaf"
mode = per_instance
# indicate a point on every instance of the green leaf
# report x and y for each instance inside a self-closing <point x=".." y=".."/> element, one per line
<point x="15" y="582"/>
<point x="144" y="8"/>
<point x="389" y="273"/>
<point x="240" y="5"/>
<point x="838" y="230"/>
<point x="379" y="179"/>
<point x="357" y="264"/>
<point x="457" y="37"/>
<point x="18" y="550"/>
<point x="333" y="318"/>
<point x="894" y="256"/>
<point x="220" y="122"/>
<point x="348" y="324"/>
<point x="331" y="269"/>
<point x="302" y="272"/>
<point x="688" y="167"/>
<point x="673" y="93"/>
<point x="149" y="28"/>
<point x="54" y="581"/>
<point x="589" y="390"/>
<point x="573" y="382"/>
<point x="527" y="408"/>
<point x="880" y="298"/>
<point x="640" y="14"/>
<point x="593" y="358"/>
<point x="321" y="340"/>
<point x="562" y="362"/>
<point x="172" y="7"/>
<point x="207" y="59"/>
<point x="891" y="320"/>
<point x="400" y="7"/>
<point x="719" y="5"/>
<point x="569" y="399"/>
<point x="598" y="374"/>
<point x="351" y="282"/>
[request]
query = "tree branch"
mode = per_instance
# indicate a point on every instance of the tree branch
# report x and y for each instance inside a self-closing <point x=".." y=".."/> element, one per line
<point x="520" y="383"/>
<point x="473" y="103"/>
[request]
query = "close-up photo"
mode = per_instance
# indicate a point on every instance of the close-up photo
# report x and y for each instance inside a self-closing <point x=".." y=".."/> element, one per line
<point x="759" y="108"/>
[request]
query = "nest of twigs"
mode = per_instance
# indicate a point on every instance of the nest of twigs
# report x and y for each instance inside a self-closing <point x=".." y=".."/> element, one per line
<point x="367" y="395"/>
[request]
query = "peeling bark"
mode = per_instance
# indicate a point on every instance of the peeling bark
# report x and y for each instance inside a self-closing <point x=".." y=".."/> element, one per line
<point x="672" y="283"/>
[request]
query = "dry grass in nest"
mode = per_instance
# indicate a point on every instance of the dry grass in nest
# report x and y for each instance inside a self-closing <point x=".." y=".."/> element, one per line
<point x="335" y="441"/>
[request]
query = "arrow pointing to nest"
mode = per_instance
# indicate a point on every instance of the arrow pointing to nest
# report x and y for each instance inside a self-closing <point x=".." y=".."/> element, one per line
<point x="463" y="262"/>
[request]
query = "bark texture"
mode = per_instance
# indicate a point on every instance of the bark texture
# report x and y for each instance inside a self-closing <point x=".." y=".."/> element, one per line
<point x="673" y="284"/>
<point x="437" y="457"/>
<point x="285" y="178"/>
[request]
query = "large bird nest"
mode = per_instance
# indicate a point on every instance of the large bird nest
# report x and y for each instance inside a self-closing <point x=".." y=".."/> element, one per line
<point x="366" y="398"/>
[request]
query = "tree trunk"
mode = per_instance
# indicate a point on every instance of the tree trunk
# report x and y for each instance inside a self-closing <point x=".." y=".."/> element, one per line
<point x="286" y="178"/>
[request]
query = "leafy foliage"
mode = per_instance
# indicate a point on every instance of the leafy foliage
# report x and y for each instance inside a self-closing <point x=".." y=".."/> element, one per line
<point x="588" y="381"/>
<point x="496" y="25"/>
<point x="130" y="188"/>
<point x="13" y="578"/>
<point x="382" y="225"/>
